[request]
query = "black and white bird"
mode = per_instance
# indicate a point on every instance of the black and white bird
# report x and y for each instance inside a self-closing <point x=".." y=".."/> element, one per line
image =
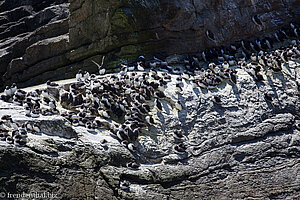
<point x="140" y="66"/>
<point x="178" y="135"/>
<point x="36" y="128"/>
<point x="79" y="75"/>
<point x="149" y="120"/>
<point x="85" y="76"/>
<point x="9" y="140"/>
<point x="158" y="104"/>
<point x="131" y="147"/>
<point x="7" y="91"/>
<point x="178" y="105"/>
<point x="124" y="185"/>
<point x="216" y="99"/>
<point x="13" y="88"/>
<point x="35" y="114"/>
<point x="51" y="84"/>
<point x="181" y="148"/>
<point x="133" y="165"/>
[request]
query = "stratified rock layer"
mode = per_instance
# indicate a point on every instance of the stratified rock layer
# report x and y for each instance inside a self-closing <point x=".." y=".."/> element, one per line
<point x="122" y="30"/>
<point x="27" y="23"/>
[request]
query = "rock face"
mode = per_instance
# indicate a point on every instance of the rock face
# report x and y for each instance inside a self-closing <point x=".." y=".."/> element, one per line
<point x="122" y="30"/>
<point x="243" y="147"/>
<point x="25" y="24"/>
<point x="148" y="27"/>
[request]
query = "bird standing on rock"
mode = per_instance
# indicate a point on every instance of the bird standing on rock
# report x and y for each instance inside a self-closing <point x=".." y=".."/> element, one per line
<point x="268" y="97"/>
<point x="13" y="88"/>
<point x="131" y="147"/>
<point x="51" y="84"/>
<point x="181" y="148"/>
<point x="158" y="104"/>
<point x="133" y="165"/>
<point x="149" y="120"/>
<point x="79" y="75"/>
<point x="216" y="99"/>
<point x="7" y="91"/>
<point x="178" y="105"/>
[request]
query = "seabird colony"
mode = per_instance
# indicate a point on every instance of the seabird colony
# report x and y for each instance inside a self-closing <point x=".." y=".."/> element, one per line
<point x="123" y="102"/>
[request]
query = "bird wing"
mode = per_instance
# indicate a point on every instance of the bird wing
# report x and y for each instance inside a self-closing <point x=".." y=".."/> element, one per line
<point x="96" y="64"/>
<point x="102" y="62"/>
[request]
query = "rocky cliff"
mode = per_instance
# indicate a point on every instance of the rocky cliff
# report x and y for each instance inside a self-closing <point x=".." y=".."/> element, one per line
<point x="26" y="23"/>
<point x="222" y="131"/>
<point x="39" y="42"/>
<point x="243" y="146"/>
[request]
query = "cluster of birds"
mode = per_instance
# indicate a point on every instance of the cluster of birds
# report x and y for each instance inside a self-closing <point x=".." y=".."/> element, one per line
<point x="127" y="98"/>
<point x="123" y="97"/>
<point x="212" y="66"/>
<point x="272" y="61"/>
<point x="16" y="133"/>
<point x="35" y="102"/>
<point x="123" y="102"/>
<point x="253" y="56"/>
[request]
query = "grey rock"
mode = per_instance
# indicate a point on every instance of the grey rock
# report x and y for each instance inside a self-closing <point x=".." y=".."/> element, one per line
<point x="238" y="149"/>
<point x="23" y="24"/>
<point x="123" y="30"/>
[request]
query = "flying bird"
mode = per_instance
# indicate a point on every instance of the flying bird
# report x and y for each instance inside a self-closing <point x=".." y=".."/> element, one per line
<point x="100" y="67"/>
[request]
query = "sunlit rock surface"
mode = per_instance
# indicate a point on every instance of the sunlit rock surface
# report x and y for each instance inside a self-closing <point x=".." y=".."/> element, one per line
<point x="244" y="147"/>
